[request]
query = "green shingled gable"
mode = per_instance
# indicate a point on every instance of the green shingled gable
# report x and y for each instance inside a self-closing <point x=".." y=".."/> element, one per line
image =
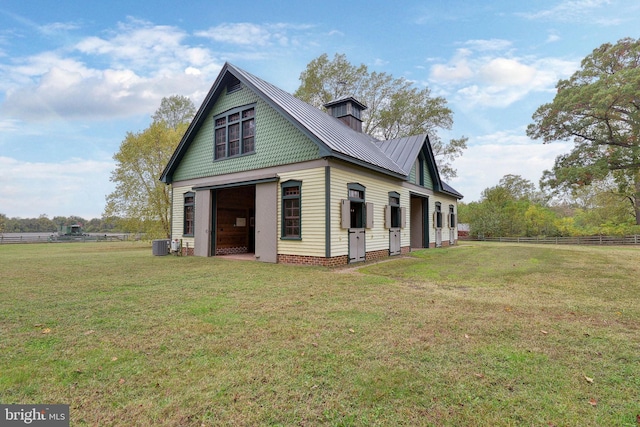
<point x="277" y="141"/>
<point x="428" y="182"/>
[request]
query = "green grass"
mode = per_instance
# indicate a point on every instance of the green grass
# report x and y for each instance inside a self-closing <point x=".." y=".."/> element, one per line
<point x="480" y="334"/>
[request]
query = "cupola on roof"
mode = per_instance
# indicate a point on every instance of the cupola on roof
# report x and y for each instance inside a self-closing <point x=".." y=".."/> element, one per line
<point x="348" y="110"/>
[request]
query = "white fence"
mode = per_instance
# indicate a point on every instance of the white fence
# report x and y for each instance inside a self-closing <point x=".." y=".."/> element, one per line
<point x="581" y="240"/>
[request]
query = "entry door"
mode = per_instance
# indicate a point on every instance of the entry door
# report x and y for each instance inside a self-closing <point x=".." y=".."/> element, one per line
<point x="356" y="244"/>
<point x="353" y="218"/>
<point x="394" y="241"/>
<point x="437" y="223"/>
<point x="266" y="222"/>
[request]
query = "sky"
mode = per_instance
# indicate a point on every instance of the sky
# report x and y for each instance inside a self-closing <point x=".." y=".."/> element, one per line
<point x="77" y="76"/>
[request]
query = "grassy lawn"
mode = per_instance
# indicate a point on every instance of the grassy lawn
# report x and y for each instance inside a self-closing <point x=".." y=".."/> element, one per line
<point x="475" y="335"/>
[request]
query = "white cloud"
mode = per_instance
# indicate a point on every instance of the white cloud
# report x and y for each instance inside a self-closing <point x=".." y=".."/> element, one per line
<point x="111" y="93"/>
<point x="73" y="187"/>
<point x="238" y="34"/>
<point x="145" y="63"/>
<point x="484" y="75"/>
<point x="506" y="72"/>
<point x="568" y="11"/>
<point x="488" y="45"/>
<point x="457" y="69"/>
<point x="552" y="38"/>
<point x="378" y="62"/>
<point x="126" y="71"/>
<point x="492" y="156"/>
<point x="58" y="27"/>
<point x="8" y="125"/>
<point x="247" y="34"/>
<point x="139" y="45"/>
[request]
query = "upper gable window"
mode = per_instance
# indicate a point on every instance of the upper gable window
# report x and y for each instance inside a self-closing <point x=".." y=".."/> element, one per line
<point x="235" y="132"/>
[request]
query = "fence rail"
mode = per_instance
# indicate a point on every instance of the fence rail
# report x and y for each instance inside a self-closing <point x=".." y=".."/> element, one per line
<point x="581" y="240"/>
<point x="14" y="238"/>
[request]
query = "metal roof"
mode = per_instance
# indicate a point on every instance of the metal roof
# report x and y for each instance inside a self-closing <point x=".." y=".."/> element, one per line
<point x="334" y="138"/>
<point x="446" y="188"/>
<point x="339" y="139"/>
<point x="403" y="151"/>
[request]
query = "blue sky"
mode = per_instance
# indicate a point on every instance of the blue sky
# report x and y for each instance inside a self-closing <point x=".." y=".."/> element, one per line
<point x="76" y="76"/>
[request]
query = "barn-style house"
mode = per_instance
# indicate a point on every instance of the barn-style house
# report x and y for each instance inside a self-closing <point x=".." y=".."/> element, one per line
<point x="261" y="172"/>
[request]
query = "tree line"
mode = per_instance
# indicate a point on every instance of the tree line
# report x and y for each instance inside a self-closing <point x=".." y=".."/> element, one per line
<point x="516" y="208"/>
<point x="44" y="224"/>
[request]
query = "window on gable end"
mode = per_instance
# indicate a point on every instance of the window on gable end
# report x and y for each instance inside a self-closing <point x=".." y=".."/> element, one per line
<point x="234" y="133"/>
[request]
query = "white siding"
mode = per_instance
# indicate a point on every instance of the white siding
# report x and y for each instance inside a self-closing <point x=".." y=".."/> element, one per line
<point x="177" y="222"/>
<point x="444" y="202"/>
<point x="377" y="192"/>
<point x="312" y="215"/>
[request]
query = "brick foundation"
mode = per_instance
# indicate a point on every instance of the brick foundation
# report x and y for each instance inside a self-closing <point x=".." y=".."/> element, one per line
<point x="187" y="251"/>
<point x="445" y="243"/>
<point x="376" y="255"/>
<point x="335" y="261"/>
<point x="313" y="260"/>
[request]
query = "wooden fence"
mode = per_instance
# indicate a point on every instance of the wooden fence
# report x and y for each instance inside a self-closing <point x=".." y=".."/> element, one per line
<point x="11" y="238"/>
<point x="581" y="240"/>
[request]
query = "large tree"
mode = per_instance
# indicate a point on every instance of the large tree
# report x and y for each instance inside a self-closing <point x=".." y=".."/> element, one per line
<point x="175" y="111"/>
<point x="140" y="199"/>
<point x="396" y="108"/>
<point x="598" y="107"/>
